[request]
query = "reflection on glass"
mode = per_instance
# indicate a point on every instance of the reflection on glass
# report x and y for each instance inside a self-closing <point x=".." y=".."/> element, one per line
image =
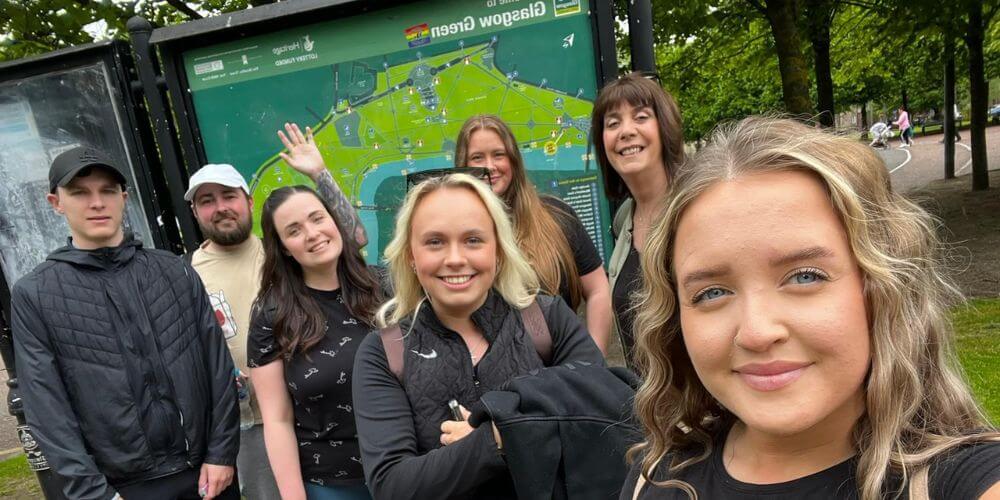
<point x="40" y="117"/>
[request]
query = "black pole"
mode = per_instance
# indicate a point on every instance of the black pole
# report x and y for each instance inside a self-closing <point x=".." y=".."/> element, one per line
<point x="640" y="33"/>
<point x="147" y="66"/>
<point x="51" y="484"/>
<point x="949" y="107"/>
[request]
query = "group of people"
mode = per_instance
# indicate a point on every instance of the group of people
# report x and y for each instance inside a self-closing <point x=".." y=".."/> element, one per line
<point x="785" y="310"/>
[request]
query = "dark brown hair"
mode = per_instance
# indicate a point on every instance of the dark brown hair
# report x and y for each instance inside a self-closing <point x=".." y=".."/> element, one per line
<point x="638" y="91"/>
<point x="539" y="234"/>
<point x="299" y="322"/>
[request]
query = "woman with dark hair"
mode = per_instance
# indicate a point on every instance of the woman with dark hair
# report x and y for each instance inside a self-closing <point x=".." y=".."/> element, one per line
<point x="317" y="302"/>
<point x="639" y="140"/>
<point x="547" y="230"/>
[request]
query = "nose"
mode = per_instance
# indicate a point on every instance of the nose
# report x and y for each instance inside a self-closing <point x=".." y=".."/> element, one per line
<point x="310" y="232"/>
<point x="97" y="201"/>
<point x="455" y="256"/>
<point x="626" y="129"/>
<point x="760" y="325"/>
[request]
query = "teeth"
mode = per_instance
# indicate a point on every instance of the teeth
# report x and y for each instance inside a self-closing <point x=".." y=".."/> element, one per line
<point x="630" y="150"/>
<point x="456" y="280"/>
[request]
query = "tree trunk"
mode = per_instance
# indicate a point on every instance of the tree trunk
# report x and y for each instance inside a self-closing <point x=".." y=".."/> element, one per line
<point x="791" y="63"/>
<point x="949" y="107"/>
<point x="819" y="16"/>
<point x="979" y="94"/>
<point x="864" y="117"/>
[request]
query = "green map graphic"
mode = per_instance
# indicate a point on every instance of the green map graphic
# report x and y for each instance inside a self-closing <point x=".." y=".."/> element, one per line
<point x="381" y="116"/>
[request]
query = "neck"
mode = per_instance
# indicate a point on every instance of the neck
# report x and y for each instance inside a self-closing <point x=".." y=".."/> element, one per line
<point x="214" y="246"/>
<point x="324" y="278"/>
<point x="647" y="187"/>
<point x="458" y="320"/>
<point x="82" y="243"/>
<point x="758" y="457"/>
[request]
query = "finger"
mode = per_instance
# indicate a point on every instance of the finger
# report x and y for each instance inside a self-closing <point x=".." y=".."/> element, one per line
<point x="285" y="158"/>
<point x="202" y="478"/>
<point x="284" y="140"/>
<point x="292" y="136"/>
<point x="465" y="413"/>
<point x="309" y="134"/>
<point x="299" y="138"/>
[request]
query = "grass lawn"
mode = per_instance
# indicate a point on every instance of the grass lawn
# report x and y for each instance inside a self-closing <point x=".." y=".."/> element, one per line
<point x="977" y="326"/>
<point x="17" y="480"/>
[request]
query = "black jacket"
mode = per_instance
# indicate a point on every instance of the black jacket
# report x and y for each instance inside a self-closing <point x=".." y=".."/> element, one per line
<point x="396" y="422"/>
<point x="124" y="370"/>
<point x="565" y="430"/>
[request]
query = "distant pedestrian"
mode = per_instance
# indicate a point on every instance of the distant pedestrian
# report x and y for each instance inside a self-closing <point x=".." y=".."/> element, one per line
<point x="958" y="120"/>
<point x="905" y="129"/>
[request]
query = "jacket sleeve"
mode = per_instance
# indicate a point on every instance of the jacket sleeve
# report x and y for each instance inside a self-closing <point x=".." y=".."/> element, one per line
<point x="393" y="467"/>
<point x="570" y="339"/>
<point x="223" y="425"/>
<point x="46" y="404"/>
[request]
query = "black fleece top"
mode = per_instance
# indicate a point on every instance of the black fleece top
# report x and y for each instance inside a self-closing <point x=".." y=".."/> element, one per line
<point x="402" y="462"/>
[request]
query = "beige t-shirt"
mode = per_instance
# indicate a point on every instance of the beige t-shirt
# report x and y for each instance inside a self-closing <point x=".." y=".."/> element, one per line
<point x="232" y="280"/>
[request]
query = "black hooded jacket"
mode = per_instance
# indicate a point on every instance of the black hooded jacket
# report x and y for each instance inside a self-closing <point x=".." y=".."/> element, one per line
<point x="124" y="370"/>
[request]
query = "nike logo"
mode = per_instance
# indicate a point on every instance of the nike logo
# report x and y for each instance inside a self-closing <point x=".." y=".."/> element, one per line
<point x="431" y="355"/>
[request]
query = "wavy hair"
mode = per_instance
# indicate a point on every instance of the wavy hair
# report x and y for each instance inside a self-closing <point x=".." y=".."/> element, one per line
<point x="918" y="404"/>
<point x="299" y="322"/>
<point x="536" y="225"/>
<point x="515" y="280"/>
<point x="638" y="91"/>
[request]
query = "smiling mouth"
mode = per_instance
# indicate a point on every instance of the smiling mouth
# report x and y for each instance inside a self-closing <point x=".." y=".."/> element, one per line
<point x="457" y="280"/>
<point x="771" y="376"/>
<point x="631" y="150"/>
<point x="319" y="246"/>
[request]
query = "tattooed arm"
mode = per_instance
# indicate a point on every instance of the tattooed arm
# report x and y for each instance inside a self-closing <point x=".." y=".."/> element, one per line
<point x="304" y="156"/>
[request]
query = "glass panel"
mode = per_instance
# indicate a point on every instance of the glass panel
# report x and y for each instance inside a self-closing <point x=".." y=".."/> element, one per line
<point x="40" y="117"/>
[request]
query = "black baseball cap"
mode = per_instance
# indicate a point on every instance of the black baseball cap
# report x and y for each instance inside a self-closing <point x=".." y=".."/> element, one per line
<point x="69" y="163"/>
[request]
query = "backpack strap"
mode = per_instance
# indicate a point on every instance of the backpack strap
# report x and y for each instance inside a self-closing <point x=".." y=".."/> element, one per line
<point x="188" y="257"/>
<point x="918" y="488"/>
<point x="392" y="342"/>
<point x="538" y="329"/>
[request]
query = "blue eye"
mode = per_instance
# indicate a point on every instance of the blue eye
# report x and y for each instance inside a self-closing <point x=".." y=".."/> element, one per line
<point x="710" y="294"/>
<point x="807" y="277"/>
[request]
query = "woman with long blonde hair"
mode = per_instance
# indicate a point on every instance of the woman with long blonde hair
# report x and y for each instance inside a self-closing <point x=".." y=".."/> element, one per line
<point x="458" y="327"/>
<point x="793" y="333"/>
<point x="547" y="230"/>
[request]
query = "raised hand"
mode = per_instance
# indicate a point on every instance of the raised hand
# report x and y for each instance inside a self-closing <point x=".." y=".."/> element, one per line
<point x="303" y="155"/>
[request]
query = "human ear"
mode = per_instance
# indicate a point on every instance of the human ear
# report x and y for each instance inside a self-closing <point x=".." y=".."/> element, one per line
<point x="53" y="200"/>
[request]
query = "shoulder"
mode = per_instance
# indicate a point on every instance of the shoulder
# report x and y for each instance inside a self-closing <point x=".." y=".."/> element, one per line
<point x="966" y="472"/>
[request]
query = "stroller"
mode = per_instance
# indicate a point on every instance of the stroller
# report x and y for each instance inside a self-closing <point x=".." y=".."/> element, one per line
<point x="881" y="133"/>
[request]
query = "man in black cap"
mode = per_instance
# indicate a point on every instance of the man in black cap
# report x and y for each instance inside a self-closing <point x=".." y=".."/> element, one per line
<point x="127" y="380"/>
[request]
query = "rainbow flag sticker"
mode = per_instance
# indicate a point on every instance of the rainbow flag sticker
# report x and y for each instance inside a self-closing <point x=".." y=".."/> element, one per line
<point x="417" y="35"/>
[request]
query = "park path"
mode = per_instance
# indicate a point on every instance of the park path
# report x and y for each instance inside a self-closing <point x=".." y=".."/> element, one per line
<point x="922" y="163"/>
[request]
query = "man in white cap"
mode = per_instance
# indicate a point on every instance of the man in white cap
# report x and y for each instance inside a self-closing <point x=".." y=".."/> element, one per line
<point x="229" y="262"/>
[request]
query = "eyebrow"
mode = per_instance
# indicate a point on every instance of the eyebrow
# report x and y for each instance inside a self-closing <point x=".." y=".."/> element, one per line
<point x="810" y="253"/>
<point x="704" y="274"/>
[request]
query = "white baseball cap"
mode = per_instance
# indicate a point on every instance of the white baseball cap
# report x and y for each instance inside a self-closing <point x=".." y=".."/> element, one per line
<point x="216" y="173"/>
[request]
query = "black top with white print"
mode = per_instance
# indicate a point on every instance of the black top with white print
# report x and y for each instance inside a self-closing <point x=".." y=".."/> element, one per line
<point x="319" y="383"/>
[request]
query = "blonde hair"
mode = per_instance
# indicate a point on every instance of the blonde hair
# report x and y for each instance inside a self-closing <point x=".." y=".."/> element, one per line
<point x="538" y="232"/>
<point x="515" y="280"/>
<point x="917" y="403"/>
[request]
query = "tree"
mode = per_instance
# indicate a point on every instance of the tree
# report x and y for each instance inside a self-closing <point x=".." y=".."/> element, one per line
<point x="977" y="21"/>
<point x="819" y="16"/>
<point x="29" y="27"/>
<point x="783" y="17"/>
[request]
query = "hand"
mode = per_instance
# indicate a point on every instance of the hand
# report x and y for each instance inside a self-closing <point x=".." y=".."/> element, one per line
<point x="453" y="430"/>
<point x="214" y="479"/>
<point x="303" y="155"/>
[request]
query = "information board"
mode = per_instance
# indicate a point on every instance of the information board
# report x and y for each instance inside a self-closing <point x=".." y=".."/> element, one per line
<point x="387" y="92"/>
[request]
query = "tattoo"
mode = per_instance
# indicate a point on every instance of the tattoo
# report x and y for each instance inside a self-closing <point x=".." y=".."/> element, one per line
<point x="345" y="215"/>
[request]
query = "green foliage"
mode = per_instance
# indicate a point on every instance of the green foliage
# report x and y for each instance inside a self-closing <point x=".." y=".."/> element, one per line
<point x="17" y="480"/>
<point x="29" y="27"/>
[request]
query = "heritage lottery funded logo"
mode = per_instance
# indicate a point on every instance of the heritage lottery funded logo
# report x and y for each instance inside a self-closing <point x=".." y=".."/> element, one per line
<point x="565" y="7"/>
<point x="417" y="35"/>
